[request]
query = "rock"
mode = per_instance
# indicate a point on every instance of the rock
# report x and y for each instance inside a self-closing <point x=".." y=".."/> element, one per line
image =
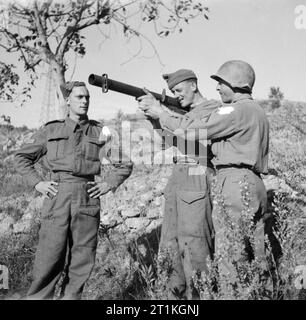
<point x="273" y="183"/>
<point x="154" y="213"/>
<point x="22" y="226"/>
<point x="129" y="213"/>
<point x="15" y="296"/>
<point x="146" y="197"/>
<point x="158" y="201"/>
<point x="154" y="224"/>
<point x="110" y="218"/>
<point x="122" y="228"/>
<point x="34" y="206"/>
<point x="137" y="223"/>
<point x="139" y="186"/>
<point x="160" y="186"/>
<point x="6" y="225"/>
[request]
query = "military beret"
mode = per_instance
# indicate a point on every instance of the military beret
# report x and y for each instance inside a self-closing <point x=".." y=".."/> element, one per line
<point x="67" y="87"/>
<point x="178" y="76"/>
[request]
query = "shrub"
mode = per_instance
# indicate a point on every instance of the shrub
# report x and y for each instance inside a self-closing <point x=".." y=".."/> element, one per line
<point x="17" y="253"/>
<point x="275" y="96"/>
<point x="254" y="278"/>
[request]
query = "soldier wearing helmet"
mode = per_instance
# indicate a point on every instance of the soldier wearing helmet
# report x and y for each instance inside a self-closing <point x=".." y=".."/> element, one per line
<point x="239" y="132"/>
<point x="236" y="74"/>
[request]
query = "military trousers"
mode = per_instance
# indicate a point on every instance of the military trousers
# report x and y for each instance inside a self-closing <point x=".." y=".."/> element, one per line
<point x="187" y="226"/>
<point x="68" y="234"/>
<point x="243" y="198"/>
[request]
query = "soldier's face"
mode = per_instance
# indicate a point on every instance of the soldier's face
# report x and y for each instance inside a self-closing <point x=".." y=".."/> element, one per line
<point x="184" y="92"/>
<point x="78" y="101"/>
<point x="226" y="93"/>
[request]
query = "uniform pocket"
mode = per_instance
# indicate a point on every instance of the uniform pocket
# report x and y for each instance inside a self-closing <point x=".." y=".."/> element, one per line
<point x="87" y="227"/>
<point x="86" y="201"/>
<point x="47" y="208"/>
<point x="93" y="147"/>
<point x="92" y="212"/>
<point x="57" y="144"/>
<point x="192" y="209"/>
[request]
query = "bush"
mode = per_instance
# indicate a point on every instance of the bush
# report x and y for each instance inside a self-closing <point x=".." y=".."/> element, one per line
<point x="255" y="279"/>
<point x="275" y="96"/>
<point x="17" y="254"/>
<point x="122" y="271"/>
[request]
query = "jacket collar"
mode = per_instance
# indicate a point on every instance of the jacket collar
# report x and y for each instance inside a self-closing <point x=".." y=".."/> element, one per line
<point x="242" y="96"/>
<point x="73" y="124"/>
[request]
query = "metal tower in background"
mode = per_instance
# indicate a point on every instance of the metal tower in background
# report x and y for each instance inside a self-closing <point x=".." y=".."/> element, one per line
<point x="50" y="99"/>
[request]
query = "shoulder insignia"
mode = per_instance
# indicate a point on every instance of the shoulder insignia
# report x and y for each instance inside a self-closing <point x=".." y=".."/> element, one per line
<point x="225" y="110"/>
<point x="106" y="131"/>
<point x="96" y="123"/>
<point x="105" y="134"/>
<point x="54" y="121"/>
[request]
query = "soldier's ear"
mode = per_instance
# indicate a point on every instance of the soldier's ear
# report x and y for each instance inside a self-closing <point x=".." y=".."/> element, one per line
<point x="194" y="86"/>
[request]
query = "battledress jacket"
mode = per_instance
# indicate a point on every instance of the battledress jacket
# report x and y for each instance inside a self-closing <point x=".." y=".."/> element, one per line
<point x="73" y="148"/>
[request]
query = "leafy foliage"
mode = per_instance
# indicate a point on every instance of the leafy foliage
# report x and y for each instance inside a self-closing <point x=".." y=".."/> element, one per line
<point x="46" y="31"/>
<point x="122" y="270"/>
<point x="8" y="81"/>
<point x="275" y="96"/>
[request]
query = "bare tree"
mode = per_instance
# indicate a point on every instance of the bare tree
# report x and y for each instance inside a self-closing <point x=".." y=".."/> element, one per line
<point x="46" y="30"/>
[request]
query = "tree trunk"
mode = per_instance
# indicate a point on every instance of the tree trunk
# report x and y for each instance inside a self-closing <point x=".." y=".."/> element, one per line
<point x="59" y="77"/>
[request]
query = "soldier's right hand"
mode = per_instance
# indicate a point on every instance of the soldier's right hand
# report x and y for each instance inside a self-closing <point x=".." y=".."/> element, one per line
<point x="149" y="105"/>
<point x="47" y="188"/>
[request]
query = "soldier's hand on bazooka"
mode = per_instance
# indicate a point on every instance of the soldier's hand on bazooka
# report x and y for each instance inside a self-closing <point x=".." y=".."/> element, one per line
<point x="149" y="105"/>
<point x="47" y="188"/>
<point x="98" y="189"/>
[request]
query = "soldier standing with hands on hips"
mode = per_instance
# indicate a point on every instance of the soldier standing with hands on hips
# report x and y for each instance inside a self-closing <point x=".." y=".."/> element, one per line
<point x="72" y="149"/>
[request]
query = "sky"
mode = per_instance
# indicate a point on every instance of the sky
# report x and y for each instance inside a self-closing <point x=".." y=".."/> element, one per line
<point x="261" y="32"/>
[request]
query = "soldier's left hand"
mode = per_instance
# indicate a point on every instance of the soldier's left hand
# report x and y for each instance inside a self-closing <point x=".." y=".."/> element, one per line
<point x="98" y="189"/>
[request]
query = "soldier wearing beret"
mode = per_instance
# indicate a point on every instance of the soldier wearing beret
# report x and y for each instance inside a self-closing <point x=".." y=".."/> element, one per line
<point x="187" y="224"/>
<point x="71" y="149"/>
<point x="239" y="131"/>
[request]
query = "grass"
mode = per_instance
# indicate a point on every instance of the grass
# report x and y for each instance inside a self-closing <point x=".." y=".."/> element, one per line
<point x="129" y="267"/>
<point x="17" y="254"/>
<point x="254" y="278"/>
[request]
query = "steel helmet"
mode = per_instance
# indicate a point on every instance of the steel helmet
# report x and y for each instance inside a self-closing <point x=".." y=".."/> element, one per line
<point x="237" y="73"/>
